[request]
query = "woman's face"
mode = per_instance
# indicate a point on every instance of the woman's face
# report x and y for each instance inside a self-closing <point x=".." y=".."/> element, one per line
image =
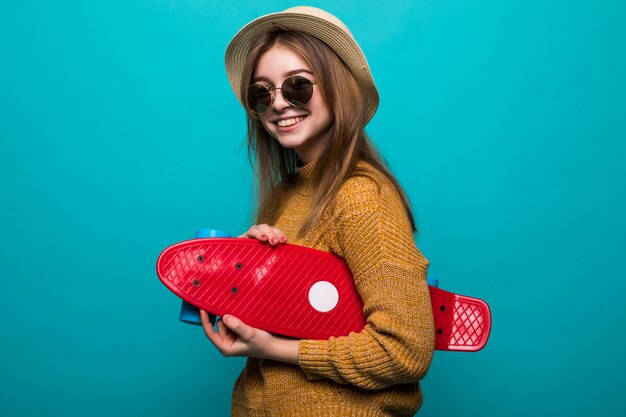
<point x="303" y="128"/>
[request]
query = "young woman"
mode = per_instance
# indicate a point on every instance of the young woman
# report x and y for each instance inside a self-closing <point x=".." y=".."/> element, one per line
<point x="309" y="93"/>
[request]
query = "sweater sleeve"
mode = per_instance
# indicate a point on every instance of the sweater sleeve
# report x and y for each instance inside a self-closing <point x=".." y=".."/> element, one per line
<point x="373" y="234"/>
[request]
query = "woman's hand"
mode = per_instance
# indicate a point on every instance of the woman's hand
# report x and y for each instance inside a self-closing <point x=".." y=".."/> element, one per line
<point x="235" y="338"/>
<point x="266" y="233"/>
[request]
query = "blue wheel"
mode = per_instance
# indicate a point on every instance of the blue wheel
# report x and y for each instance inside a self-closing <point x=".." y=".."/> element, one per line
<point x="206" y="233"/>
<point x="432" y="281"/>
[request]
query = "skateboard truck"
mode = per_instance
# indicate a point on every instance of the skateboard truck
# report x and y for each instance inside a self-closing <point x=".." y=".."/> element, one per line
<point x="188" y="313"/>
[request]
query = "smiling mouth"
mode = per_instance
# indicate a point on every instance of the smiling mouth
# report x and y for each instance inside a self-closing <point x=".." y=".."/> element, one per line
<point x="289" y="122"/>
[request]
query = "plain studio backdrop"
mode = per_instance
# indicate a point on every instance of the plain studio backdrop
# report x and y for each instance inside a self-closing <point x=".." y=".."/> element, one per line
<point x="119" y="135"/>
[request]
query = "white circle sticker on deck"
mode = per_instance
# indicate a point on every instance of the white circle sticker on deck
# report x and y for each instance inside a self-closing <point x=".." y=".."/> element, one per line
<point x="323" y="296"/>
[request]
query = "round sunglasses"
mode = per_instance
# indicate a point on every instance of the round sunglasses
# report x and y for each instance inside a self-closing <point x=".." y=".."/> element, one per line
<point x="296" y="91"/>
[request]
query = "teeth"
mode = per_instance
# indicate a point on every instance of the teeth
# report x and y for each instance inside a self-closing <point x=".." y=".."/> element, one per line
<point x="289" y="122"/>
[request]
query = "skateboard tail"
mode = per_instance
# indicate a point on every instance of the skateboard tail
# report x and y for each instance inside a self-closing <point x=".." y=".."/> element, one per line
<point x="462" y="323"/>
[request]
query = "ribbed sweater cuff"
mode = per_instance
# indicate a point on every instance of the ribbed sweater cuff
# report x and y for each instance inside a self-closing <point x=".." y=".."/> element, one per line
<point x="314" y="359"/>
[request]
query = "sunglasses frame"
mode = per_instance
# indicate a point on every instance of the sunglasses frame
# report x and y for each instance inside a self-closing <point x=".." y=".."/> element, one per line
<point x="272" y="91"/>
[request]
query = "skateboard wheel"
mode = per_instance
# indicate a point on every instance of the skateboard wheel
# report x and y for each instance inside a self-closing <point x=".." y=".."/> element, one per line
<point x="206" y="233"/>
<point x="432" y="282"/>
<point x="189" y="314"/>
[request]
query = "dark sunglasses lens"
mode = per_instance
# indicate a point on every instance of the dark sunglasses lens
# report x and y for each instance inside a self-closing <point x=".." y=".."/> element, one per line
<point x="259" y="98"/>
<point x="297" y="90"/>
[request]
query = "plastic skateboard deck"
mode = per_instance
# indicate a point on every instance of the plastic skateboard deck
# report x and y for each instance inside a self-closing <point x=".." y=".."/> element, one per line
<point x="297" y="291"/>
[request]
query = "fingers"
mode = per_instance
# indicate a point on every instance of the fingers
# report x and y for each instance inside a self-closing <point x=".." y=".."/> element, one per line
<point x="231" y="337"/>
<point x="266" y="233"/>
<point x="223" y="339"/>
<point x="222" y="330"/>
<point x="204" y="319"/>
<point x="210" y="333"/>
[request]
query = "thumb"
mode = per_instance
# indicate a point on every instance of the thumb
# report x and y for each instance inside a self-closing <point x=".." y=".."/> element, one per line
<point x="234" y="324"/>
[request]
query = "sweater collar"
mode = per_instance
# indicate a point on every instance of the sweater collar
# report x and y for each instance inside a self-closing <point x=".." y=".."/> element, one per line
<point x="306" y="172"/>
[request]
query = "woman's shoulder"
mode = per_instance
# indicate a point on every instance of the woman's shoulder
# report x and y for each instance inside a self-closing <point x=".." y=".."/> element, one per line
<point x="366" y="183"/>
<point x="366" y="177"/>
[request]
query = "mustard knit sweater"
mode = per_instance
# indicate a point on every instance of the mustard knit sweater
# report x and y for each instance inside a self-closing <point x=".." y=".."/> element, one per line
<point x="374" y="372"/>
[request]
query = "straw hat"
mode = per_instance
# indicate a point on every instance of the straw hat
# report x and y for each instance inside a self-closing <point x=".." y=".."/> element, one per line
<point x="315" y="22"/>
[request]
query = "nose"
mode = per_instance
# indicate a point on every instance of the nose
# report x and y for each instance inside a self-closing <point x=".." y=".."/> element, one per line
<point x="279" y="102"/>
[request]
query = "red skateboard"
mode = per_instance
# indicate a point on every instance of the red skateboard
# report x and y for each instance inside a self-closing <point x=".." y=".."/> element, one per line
<point x="297" y="291"/>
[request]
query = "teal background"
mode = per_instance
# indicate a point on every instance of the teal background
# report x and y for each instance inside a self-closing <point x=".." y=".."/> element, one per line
<point x="119" y="135"/>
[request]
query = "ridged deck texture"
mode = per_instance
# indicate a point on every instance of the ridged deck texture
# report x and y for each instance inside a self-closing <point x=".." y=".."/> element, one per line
<point x="267" y="287"/>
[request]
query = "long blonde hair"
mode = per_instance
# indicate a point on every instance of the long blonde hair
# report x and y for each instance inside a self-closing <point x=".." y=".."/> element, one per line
<point x="275" y="166"/>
